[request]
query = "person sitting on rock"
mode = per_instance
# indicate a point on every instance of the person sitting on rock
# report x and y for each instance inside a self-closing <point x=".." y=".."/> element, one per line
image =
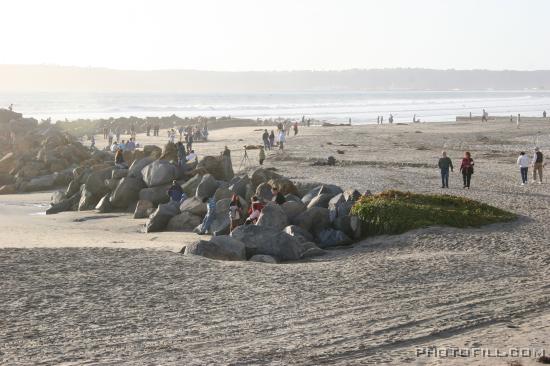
<point x="235" y="212"/>
<point x="192" y="156"/>
<point x="262" y="155"/>
<point x="176" y="193"/>
<point x="114" y="147"/>
<point x="131" y="145"/>
<point x="278" y="197"/>
<point x="210" y="215"/>
<point x="119" y="160"/>
<point x="254" y="211"/>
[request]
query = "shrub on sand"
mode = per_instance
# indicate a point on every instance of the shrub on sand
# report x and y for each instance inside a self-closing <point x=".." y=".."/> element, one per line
<point x="394" y="212"/>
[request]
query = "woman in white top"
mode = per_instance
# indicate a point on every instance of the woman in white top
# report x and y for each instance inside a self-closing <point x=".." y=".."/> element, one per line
<point x="523" y="163"/>
<point x="282" y="139"/>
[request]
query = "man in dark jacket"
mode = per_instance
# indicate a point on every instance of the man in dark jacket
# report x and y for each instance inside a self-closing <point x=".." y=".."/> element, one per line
<point x="445" y="164"/>
<point x="278" y="197"/>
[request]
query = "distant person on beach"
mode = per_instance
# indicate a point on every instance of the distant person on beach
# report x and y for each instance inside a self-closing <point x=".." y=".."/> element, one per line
<point x="191" y="156"/>
<point x="278" y="197"/>
<point x="111" y="136"/>
<point x="204" y="227"/>
<point x="105" y="133"/>
<point x="176" y="193"/>
<point x="181" y="153"/>
<point x="114" y="147"/>
<point x="381" y="119"/>
<point x="235" y="212"/>
<point x="254" y="211"/>
<point x="445" y="163"/>
<point x="308" y="122"/>
<point x="377" y="120"/>
<point x="484" y="116"/>
<point x="295" y="128"/>
<point x="92" y="144"/>
<point x="523" y="163"/>
<point x="122" y="145"/>
<point x="349" y="121"/>
<point x="544" y="114"/>
<point x="538" y="165"/>
<point x="148" y="128"/>
<point x="390" y="120"/>
<point x="282" y="139"/>
<point x="265" y="138"/>
<point x="131" y="145"/>
<point x="467" y="169"/>
<point x="272" y="140"/>
<point x="119" y="160"/>
<point x="262" y="155"/>
<point x="10" y="107"/>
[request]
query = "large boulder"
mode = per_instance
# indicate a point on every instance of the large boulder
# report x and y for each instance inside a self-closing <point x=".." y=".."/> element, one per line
<point x="262" y="258"/>
<point x="284" y="185"/>
<point x="265" y="240"/>
<point x="104" y="204"/>
<point x="194" y="206"/>
<point x="190" y="187"/>
<point x="332" y="238"/>
<point x="263" y="192"/>
<point x="273" y="216"/>
<point x="314" y="219"/>
<point x="321" y="200"/>
<point x="156" y="195"/>
<point x="159" y="172"/>
<point x="185" y="221"/>
<point x="219" y="167"/>
<point x="240" y="185"/>
<point x="311" y="250"/>
<point x="68" y="204"/>
<point x="96" y="181"/>
<point x="138" y="165"/>
<point x="6" y="178"/>
<point x="143" y="209"/>
<point x="160" y="218"/>
<point x="8" y="189"/>
<point x="170" y="152"/>
<point x="126" y="193"/>
<point x="119" y="173"/>
<point x="323" y="189"/>
<point x="207" y="187"/>
<point x="222" y="193"/>
<point x="293" y="209"/>
<point x="341" y="204"/>
<point x="42" y="183"/>
<point x="220" y="247"/>
<point x="88" y="200"/>
<point x="299" y="233"/>
<point x="262" y="175"/>
<point x="152" y="151"/>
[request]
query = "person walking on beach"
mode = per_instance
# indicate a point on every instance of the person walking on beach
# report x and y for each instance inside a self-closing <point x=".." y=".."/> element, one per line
<point x="295" y="128"/>
<point x="544" y="114"/>
<point x="271" y="140"/>
<point x="282" y="139"/>
<point x="518" y="120"/>
<point x="204" y="227"/>
<point x="235" y="212"/>
<point x="538" y="165"/>
<point x="445" y="163"/>
<point x="377" y="120"/>
<point x="484" y="116"/>
<point x="262" y="155"/>
<point x="467" y="169"/>
<point x="523" y="163"/>
<point x="265" y="138"/>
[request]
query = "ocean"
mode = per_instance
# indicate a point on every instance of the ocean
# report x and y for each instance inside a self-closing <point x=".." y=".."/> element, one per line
<point x="361" y="107"/>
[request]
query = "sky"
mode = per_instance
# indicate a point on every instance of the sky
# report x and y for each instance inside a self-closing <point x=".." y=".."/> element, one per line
<point x="242" y="35"/>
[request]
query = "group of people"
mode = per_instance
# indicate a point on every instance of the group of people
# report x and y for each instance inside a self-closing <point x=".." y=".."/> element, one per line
<point x="185" y="153"/>
<point x="380" y="119"/>
<point x="155" y="128"/>
<point x="237" y="216"/>
<point x="445" y="165"/>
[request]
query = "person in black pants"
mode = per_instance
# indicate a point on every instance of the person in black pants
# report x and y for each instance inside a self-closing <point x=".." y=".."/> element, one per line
<point x="467" y="169"/>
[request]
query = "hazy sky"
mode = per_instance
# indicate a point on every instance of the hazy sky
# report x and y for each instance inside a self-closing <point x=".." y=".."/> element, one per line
<point x="277" y="34"/>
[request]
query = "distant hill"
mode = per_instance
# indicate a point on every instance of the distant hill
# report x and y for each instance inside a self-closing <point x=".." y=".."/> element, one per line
<point x="31" y="78"/>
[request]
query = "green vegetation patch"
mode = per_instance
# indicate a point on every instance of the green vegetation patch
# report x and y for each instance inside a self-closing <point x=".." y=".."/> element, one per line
<point x="395" y="212"/>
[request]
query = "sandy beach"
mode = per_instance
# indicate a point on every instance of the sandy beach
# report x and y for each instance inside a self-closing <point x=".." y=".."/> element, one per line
<point x="86" y="288"/>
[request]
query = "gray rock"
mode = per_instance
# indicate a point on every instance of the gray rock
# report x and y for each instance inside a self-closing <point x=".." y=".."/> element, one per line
<point x="291" y="197"/>
<point x="190" y="187"/>
<point x="321" y="200"/>
<point x="207" y="187"/>
<point x="126" y="192"/>
<point x="104" y="204"/>
<point x="57" y="197"/>
<point x="343" y="224"/>
<point x="263" y="192"/>
<point x="42" y="183"/>
<point x="264" y="240"/>
<point x="68" y="204"/>
<point x="239" y="185"/>
<point x="222" y="249"/>
<point x="185" y="221"/>
<point x="194" y="206"/>
<point x="262" y="175"/>
<point x="262" y="258"/>
<point x="111" y="184"/>
<point x="327" y="188"/>
<point x="293" y="209"/>
<point x="144" y="209"/>
<point x="311" y="250"/>
<point x="95" y="181"/>
<point x="332" y="238"/>
<point x="119" y="173"/>
<point x="222" y="193"/>
<point x="299" y="233"/>
<point x="314" y="219"/>
<point x="159" y="172"/>
<point x="138" y="165"/>
<point x="156" y="195"/>
<point x="160" y="218"/>
<point x="341" y="204"/>
<point x="220" y="167"/>
<point x="88" y="200"/>
<point x="273" y="216"/>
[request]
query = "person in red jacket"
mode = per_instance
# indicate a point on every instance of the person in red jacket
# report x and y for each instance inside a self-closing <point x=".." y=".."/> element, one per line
<point x="467" y="169"/>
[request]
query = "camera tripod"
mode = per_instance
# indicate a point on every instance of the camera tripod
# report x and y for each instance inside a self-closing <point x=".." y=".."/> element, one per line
<point x="245" y="161"/>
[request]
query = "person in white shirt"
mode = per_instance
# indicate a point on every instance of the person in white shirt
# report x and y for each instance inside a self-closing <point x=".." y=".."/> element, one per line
<point x="114" y="147"/>
<point x="523" y="163"/>
<point x="282" y="139"/>
<point x="192" y="156"/>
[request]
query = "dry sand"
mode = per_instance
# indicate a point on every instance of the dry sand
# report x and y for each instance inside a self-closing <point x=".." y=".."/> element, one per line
<point x="83" y="288"/>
